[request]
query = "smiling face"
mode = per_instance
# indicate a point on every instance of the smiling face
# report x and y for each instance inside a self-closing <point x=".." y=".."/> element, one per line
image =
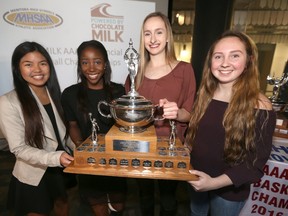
<point x="34" y="69"/>
<point x="155" y="35"/>
<point x="93" y="67"/>
<point x="228" y="60"/>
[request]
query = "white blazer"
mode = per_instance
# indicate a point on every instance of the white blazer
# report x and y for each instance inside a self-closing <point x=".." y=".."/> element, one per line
<point x="31" y="162"/>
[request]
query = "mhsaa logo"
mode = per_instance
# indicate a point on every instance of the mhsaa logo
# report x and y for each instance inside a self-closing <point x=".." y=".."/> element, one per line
<point x="32" y="18"/>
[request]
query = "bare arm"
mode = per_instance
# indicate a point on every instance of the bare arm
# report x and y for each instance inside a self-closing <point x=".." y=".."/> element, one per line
<point x="264" y="102"/>
<point x="74" y="132"/>
<point x="183" y="115"/>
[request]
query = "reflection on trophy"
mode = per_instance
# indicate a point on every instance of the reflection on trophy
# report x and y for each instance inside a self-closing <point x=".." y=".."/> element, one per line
<point x="277" y="82"/>
<point x="131" y="147"/>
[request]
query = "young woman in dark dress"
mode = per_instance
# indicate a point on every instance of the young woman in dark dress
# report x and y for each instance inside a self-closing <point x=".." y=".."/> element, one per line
<point x="231" y="128"/>
<point x="105" y="195"/>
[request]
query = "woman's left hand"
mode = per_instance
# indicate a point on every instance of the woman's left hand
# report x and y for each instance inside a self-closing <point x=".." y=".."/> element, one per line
<point x="65" y="159"/>
<point x="203" y="183"/>
<point x="207" y="183"/>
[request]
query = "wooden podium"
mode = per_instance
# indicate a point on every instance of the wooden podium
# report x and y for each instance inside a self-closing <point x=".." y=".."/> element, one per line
<point x="139" y="155"/>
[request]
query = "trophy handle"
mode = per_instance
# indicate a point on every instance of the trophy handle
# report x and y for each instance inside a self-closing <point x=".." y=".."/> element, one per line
<point x="99" y="109"/>
<point x="157" y="113"/>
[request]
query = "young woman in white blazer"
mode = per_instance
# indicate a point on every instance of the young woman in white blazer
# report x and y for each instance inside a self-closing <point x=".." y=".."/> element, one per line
<point x="31" y="119"/>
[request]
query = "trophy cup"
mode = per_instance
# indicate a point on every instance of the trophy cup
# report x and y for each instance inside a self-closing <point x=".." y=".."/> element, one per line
<point x="131" y="147"/>
<point x="277" y="83"/>
<point x="132" y="111"/>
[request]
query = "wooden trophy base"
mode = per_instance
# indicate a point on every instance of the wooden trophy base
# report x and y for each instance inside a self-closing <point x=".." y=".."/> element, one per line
<point x="123" y="155"/>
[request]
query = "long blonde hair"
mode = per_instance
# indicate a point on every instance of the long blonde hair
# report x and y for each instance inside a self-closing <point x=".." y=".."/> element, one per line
<point x="144" y="54"/>
<point x="240" y="130"/>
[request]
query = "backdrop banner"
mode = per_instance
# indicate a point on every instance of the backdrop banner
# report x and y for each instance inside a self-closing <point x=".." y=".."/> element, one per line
<point x="62" y="25"/>
<point x="269" y="196"/>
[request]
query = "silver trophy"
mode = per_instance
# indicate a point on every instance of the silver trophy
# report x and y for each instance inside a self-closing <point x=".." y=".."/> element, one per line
<point x="277" y="83"/>
<point x="132" y="111"/>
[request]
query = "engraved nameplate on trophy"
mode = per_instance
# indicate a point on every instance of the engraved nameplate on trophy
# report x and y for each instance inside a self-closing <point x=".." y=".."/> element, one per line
<point x="131" y="145"/>
<point x="121" y="142"/>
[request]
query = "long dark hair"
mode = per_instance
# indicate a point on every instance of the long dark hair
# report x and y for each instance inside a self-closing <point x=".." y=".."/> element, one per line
<point x="82" y="96"/>
<point x="34" y="132"/>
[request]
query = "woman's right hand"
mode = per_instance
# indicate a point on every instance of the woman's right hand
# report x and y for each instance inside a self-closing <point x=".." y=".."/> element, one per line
<point x="170" y="109"/>
<point x="66" y="159"/>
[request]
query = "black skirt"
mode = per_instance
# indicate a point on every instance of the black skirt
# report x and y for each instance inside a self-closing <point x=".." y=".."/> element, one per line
<point x="24" y="198"/>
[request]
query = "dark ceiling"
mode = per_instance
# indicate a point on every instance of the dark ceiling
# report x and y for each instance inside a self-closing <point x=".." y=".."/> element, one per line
<point x="275" y="11"/>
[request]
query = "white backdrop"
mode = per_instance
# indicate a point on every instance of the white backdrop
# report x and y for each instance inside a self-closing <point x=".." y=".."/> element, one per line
<point x="62" y="25"/>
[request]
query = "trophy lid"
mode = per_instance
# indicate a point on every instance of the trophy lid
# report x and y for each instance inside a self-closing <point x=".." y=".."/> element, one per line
<point x="128" y="101"/>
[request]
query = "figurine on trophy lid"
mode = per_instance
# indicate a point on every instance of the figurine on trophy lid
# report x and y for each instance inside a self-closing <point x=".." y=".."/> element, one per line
<point x="94" y="136"/>
<point x="131" y="58"/>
